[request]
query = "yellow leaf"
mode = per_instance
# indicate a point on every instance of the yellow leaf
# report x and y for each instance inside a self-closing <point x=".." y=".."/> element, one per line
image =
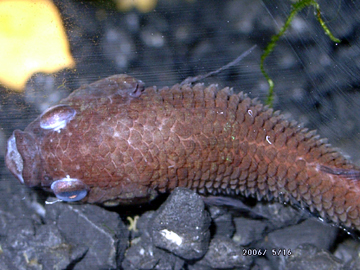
<point x="143" y="6"/>
<point x="32" y="39"/>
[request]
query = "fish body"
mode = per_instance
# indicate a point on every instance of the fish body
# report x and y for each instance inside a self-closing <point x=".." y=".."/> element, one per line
<point x="115" y="141"/>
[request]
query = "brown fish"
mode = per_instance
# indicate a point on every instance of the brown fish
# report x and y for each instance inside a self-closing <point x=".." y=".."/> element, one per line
<point x="114" y="141"/>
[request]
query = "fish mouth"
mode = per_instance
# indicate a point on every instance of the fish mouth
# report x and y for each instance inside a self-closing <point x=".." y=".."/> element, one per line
<point x="23" y="158"/>
<point x="13" y="159"/>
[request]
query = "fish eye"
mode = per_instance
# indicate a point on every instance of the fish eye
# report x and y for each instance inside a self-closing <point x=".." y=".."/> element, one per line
<point x="138" y="89"/>
<point x="69" y="189"/>
<point x="56" y="117"/>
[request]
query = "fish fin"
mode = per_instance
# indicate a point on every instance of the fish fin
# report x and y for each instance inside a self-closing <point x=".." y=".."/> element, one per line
<point x="351" y="174"/>
<point x="235" y="204"/>
<point x="225" y="201"/>
<point x="191" y="80"/>
<point x="120" y="84"/>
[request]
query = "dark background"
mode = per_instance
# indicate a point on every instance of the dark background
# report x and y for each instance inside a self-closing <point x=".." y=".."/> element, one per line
<point x="316" y="81"/>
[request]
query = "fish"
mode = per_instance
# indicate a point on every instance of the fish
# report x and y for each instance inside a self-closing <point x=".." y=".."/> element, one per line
<point x="116" y="141"/>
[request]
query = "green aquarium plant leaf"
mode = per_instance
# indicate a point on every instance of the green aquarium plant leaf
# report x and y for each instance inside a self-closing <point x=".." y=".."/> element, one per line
<point x="296" y="8"/>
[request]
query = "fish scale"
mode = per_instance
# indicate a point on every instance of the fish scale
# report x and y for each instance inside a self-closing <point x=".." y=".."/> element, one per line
<point x="126" y="143"/>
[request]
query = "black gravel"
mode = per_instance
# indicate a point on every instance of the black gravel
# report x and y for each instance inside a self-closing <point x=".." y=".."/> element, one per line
<point x="316" y="83"/>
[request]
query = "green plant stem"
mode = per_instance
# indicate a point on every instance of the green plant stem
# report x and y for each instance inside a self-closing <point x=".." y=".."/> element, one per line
<point x="296" y="8"/>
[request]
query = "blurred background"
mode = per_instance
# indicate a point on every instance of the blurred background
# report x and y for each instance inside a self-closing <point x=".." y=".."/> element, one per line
<point x="50" y="48"/>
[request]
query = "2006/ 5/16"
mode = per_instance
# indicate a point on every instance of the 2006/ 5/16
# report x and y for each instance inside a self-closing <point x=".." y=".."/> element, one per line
<point x="262" y="252"/>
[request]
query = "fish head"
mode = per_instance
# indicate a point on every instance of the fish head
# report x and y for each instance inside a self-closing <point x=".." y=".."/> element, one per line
<point x="22" y="158"/>
<point x="61" y="151"/>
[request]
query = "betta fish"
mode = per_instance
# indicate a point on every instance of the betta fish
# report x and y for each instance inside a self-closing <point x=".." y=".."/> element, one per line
<point x="116" y="142"/>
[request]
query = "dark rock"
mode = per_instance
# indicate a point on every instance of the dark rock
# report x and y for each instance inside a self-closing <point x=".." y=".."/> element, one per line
<point x="310" y="257"/>
<point x="144" y="255"/>
<point x="248" y="230"/>
<point x="26" y="244"/>
<point x="262" y="264"/>
<point x="282" y="243"/>
<point x="224" y="253"/>
<point x="142" y="225"/>
<point x="279" y="215"/>
<point x="310" y="231"/>
<point x="348" y="252"/>
<point x="354" y="264"/>
<point x="181" y="225"/>
<point x="90" y="227"/>
<point x="222" y="221"/>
